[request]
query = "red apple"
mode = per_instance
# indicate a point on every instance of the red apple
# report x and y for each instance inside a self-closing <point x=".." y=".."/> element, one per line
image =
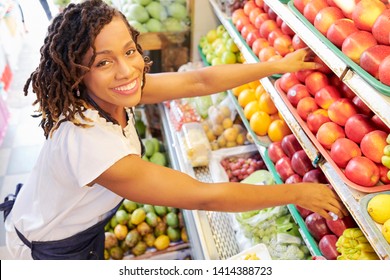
<point x="273" y="35"/>
<point x="339" y="30"/>
<point x="384" y="71"/>
<point x="316" y="118"/>
<point x="328" y="133"/>
<point x="324" y="68"/>
<point x="312" y="8"/>
<point x="287" y="29"/>
<point x="283" y="168"/>
<point x="357" y="126"/>
<point x="248" y="29"/>
<point x="383" y="170"/>
<point x="259" y="44"/>
<point x="279" y="21"/>
<point x="305" y="106"/>
<point x="287" y="80"/>
<point x="378" y="122"/>
<point x="272" y="14"/>
<point x="275" y="151"/>
<point x="372" y="57"/>
<point x="372" y="145"/>
<point x="315" y="176"/>
<point x="254" y="13"/>
<point x="252" y="36"/>
<point x="300" y="4"/>
<point x="362" y="171"/>
<point x="301" y="163"/>
<point x="326" y="17"/>
<point x="296" y="93"/>
<point x="298" y="43"/>
<point x="366" y="12"/>
<point x="356" y="43"/>
<point x="381" y="28"/>
<point x="326" y="96"/>
<point x="338" y="226"/>
<point x="302" y="74"/>
<point x="315" y="81"/>
<point x="267" y="27"/>
<point x="334" y="80"/>
<point x="295" y="178"/>
<point x="260" y="19"/>
<point x="362" y="107"/>
<point x="241" y="22"/>
<point x="303" y="211"/>
<point x="342" y="150"/>
<point x="290" y="145"/>
<point x="347" y="6"/>
<point x="340" y="110"/>
<point x="266" y="53"/>
<point x="327" y="246"/>
<point x="283" y="45"/>
<point x="346" y="91"/>
<point x="316" y="225"/>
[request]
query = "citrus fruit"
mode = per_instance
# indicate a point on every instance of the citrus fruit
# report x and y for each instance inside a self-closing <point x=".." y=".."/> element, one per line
<point x="246" y="96"/>
<point x="172" y="220"/>
<point x="259" y="91"/>
<point x="277" y="130"/>
<point x="162" y="242"/>
<point x="120" y="231"/>
<point x="227" y="122"/>
<point x="379" y="208"/>
<point x="259" y="123"/>
<point x="266" y="104"/>
<point x="236" y="91"/>
<point x="138" y="216"/>
<point x="251" y="108"/>
<point x="254" y="84"/>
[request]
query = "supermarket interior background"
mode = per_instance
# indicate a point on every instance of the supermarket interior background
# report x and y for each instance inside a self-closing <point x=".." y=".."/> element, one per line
<point x="23" y="139"/>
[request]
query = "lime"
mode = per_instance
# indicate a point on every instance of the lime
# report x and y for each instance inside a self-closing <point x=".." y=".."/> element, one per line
<point x="174" y="234"/>
<point x="129" y="205"/>
<point x="122" y="217"/>
<point x="172" y="220"/>
<point x="161" y="210"/>
<point x="158" y="158"/>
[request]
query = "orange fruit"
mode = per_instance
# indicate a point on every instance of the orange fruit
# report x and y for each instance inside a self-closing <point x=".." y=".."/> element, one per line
<point x="259" y="123"/>
<point x="236" y="91"/>
<point x="246" y="96"/>
<point x="277" y="130"/>
<point x="259" y="91"/>
<point x="267" y="104"/>
<point x="251" y="108"/>
<point x="254" y="84"/>
<point x="275" y="117"/>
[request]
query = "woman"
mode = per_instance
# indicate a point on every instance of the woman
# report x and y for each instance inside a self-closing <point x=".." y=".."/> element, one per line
<point x="90" y="75"/>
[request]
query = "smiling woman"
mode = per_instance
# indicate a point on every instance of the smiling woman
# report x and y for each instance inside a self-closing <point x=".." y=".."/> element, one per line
<point x="91" y="74"/>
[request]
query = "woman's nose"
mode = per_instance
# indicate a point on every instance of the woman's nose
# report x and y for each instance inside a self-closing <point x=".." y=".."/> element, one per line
<point x="123" y="69"/>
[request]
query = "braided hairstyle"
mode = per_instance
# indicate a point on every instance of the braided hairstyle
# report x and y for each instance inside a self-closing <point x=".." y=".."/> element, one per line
<point x="58" y="77"/>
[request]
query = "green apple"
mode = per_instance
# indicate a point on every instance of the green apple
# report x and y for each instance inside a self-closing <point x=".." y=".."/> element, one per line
<point x="386" y="150"/>
<point x="220" y="30"/>
<point x="228" y="57"/>
<point x="216" y="61"/>
<point x="211" y="35"/>
<point x="231" y="45"/>
<point x="386" y="161"/>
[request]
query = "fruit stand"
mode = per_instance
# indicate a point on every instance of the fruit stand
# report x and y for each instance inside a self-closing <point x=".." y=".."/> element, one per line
<point x="215" y="235"/>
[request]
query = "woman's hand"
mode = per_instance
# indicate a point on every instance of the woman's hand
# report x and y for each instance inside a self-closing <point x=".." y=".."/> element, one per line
<point x="301" y="59"/>
<point x="321" y="199"/>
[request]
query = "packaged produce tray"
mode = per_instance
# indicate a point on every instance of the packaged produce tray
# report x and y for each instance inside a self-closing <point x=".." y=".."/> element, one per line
<point x="324" y="152"/>
<point x="382" y="88"/>
<point x="260" y="251"/>
<point x="373" y="225"/>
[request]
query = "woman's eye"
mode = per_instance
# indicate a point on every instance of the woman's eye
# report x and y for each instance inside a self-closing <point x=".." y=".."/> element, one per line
<point x="130" y="52"/>
<point x="102" y="63"/>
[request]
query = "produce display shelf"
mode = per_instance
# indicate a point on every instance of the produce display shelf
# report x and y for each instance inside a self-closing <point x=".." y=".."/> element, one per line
<point x="382" y="88"/>
<point x="210" y="233"/>
<point x="324" y="152"/>
<point x="376" y="101"/>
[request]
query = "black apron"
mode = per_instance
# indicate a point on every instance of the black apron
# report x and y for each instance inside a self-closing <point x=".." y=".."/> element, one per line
<point x="85" y="245"/>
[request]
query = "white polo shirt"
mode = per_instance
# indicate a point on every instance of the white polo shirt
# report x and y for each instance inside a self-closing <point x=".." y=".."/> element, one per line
<point x="55" y="202"/>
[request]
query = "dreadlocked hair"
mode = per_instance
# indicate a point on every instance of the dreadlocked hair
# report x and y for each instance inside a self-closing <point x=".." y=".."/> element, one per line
<point x="60" y="72"/>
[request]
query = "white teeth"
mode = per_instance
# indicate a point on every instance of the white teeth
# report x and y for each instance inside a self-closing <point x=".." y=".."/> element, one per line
<point x="127" y="87"/>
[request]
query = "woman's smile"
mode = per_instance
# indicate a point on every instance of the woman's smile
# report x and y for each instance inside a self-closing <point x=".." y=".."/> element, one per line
<point x="128" y="89"/>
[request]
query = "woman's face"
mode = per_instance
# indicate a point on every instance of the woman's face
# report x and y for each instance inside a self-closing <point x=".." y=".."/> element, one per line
<point x="114" y="80"/>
